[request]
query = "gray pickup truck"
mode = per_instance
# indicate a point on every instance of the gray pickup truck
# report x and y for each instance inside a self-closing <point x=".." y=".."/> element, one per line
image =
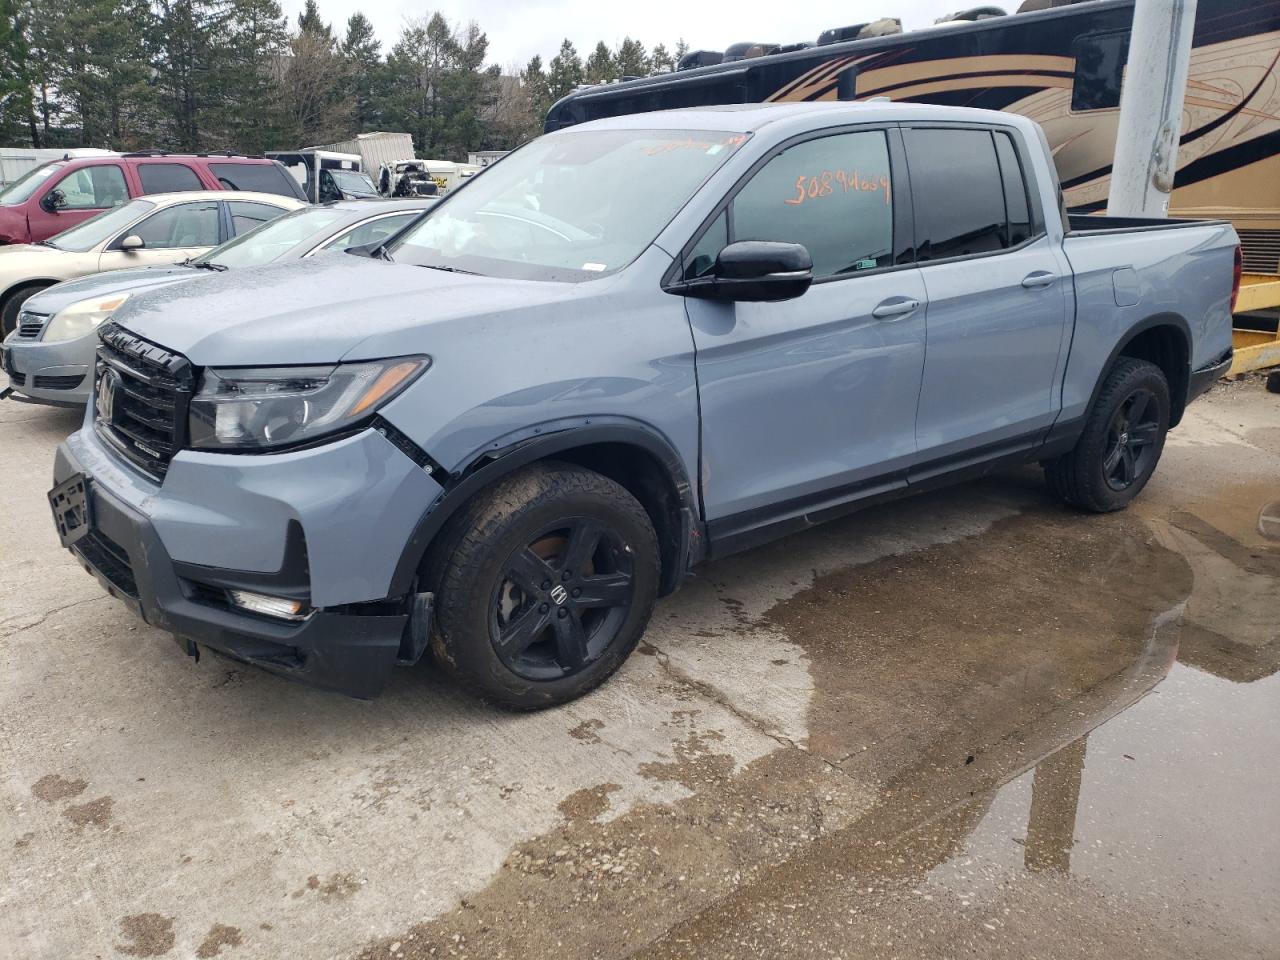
<point x="628" y="348"/>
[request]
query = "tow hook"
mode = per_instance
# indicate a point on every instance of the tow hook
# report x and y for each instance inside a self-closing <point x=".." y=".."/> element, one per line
<point x="189" y="647"/>
<point x="418" y="635"/>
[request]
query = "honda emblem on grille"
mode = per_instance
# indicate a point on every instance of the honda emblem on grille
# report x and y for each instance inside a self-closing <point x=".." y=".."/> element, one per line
<point x="107" y="395"/>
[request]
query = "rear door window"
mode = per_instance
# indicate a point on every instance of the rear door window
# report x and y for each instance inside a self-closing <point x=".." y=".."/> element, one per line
<point x="371" y="231"/>
<point x="957" y="191"/>
<point x="93" y="188"/>
<point x="833" y="195"/>
<point x="256" y="177"/>
<point x="1017" y="205"/>
<point x="182" y="225"/>
<point x="168" y="178"/>
<point x="245" y="215"/>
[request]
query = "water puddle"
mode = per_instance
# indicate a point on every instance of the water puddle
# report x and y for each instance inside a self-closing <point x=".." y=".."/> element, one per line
<point x="1062" y="730"/>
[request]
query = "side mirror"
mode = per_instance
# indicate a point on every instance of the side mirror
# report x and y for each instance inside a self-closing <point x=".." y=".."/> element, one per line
<point x="53" y="201"/>
<point x="131" y="243"/>
<point x="761" y="271"/>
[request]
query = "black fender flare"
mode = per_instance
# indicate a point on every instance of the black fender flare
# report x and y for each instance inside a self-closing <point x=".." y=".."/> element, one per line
<point x="1155" y="320"/>
<point x="504" y="456"/>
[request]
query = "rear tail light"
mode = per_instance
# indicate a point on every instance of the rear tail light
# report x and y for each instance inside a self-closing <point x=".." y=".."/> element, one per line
<point x="1237" y="272"/>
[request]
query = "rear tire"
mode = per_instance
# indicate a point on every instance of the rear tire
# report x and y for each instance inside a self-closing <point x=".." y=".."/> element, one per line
<point x="1121" y="443"/>
<point x="1273" y="382"/>
<point x="544" y="584"/>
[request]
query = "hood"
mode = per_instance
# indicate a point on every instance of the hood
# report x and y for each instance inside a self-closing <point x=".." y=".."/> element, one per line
<point x="62" y="295"/>
<point x="26" y="261"/>
<point x="323" y="309"/>
<point x="13" y="225"/>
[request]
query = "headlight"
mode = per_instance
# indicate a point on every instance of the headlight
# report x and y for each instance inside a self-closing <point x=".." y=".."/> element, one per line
<point x="82" y="317"/>
<point x="257" y="408"/>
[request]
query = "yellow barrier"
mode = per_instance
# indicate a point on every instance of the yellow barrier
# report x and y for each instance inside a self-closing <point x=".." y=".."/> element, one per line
<point x="1256" y="349"/>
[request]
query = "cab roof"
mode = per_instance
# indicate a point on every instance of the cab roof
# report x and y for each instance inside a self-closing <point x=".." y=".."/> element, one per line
<point x="753" y="117"/>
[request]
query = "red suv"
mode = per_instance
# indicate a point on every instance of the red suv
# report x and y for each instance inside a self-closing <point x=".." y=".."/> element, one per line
<point x="57" y="195"/>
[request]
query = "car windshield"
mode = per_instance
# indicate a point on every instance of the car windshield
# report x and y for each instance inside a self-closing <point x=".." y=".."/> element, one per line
<point x="275" y="237"/>
<point x="349" y="181"/>
<point x="569" y="206"/>
<point x="27" y="184"/>
<point x="104" y="226"/>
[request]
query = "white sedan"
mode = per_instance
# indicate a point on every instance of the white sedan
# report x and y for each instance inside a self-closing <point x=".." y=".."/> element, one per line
<point x="159" y="229"/>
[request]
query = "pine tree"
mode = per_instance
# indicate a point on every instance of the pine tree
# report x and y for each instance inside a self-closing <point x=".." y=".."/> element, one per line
<point x="252" y="116"/>
<point x="631" y="59"/>
<point x="536" y="83"/>
<point x="186" y="46"/>
<point x="309" y="22"/>
<point x="363" y="55"/>
<point x="660" y="61"/>
<point x="416" y="68"/>
<point x="565" y="72"/>
<point x="600" y="67"/>
<point x="16" y="95"/>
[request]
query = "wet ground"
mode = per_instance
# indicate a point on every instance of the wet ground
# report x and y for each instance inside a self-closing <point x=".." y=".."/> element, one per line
<point x="970" y="724"/>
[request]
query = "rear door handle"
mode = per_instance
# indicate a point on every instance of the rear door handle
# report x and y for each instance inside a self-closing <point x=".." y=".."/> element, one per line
<point x="1040" y="278"/>
<point x="895" y="308"/>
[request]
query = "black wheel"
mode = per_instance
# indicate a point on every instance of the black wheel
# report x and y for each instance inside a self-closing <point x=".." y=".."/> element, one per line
<point x="12" y="306"/>
<point x="544" y="585"/>
<point x="1273" y="382"/>
<point x="1121" y="442"/>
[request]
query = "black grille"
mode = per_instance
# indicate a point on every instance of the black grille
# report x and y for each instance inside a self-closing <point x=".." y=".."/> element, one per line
<point x="110" y="559"/>
<point x="1261" y="249"/>
<point x="17" y="379"/>
<point x="30" y="324"/>
<point x="41" y="382"/>
<point x="141" y="394"/>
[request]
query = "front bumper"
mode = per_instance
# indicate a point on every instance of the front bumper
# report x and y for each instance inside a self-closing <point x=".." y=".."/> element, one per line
<point x="52" y="373"/>
<point x="350" y="647"/>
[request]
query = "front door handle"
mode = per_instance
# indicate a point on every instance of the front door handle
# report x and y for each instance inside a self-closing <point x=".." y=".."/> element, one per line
<point x="893" y="309"/>
<point x="1040" y="278"/>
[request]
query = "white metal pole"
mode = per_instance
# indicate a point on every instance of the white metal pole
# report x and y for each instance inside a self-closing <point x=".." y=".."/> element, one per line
<point x="1155" y="83"/>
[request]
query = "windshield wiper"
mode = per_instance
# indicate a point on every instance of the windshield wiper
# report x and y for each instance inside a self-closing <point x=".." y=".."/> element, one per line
<point x="441" y="266"/>
<point x="47" y="243"/>
<point x="203" y="265"/>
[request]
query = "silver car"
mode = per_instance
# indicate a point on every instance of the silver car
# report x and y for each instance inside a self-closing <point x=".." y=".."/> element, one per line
<point x="49" y="354"/>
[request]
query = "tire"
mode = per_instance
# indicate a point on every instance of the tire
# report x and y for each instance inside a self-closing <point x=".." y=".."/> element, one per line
<point x="1273" y="382"/>
<point x="1115" y="456"/>
<point x="12" y="305"/>
<point x="544" y="584"/>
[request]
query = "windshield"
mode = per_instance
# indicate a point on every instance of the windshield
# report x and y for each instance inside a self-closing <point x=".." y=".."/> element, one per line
<point x="569" y="206"/>
<point x="87" y="235"/>
<point x="27" y="184"/>
<point x="349" y="181"/>
<point x="274" y="238"/>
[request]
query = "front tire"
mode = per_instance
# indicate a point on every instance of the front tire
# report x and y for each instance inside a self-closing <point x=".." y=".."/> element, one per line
<point x="544" y="584"/>
<point x="11" y="306"/>
<point x="1121" y="443"/>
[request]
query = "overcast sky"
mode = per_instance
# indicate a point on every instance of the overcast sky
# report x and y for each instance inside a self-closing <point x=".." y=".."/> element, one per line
<point x="519" y="30"/>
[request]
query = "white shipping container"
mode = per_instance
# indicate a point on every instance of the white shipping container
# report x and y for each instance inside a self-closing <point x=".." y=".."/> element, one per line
<point x="375" y="149"/>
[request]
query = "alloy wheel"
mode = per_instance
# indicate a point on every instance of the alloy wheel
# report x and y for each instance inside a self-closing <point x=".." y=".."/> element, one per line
<point x="562" y="599"/>
<point x="1131" y="439"/>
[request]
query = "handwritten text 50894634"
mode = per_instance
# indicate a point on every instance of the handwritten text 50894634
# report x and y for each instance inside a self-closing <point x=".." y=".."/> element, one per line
<point x="826" y="183"/>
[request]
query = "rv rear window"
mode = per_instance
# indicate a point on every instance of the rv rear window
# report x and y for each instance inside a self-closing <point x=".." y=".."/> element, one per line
<point x="1100" y="60"/>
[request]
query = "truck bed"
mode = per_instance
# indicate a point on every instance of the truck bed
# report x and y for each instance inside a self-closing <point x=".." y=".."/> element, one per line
<point x="1083" y="225"/>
